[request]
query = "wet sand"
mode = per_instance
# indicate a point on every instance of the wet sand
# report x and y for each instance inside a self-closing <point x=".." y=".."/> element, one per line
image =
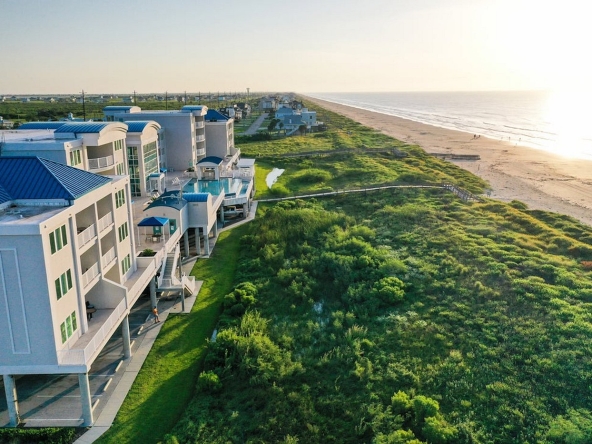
<point x="541" y="180"/>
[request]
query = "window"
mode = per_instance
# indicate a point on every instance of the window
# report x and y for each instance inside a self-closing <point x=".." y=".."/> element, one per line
<point x="68" y="327"/>
<point x="120" y="169"/>
<point x="75" y="157"/>
<point x="126" y="264"/>
<point x="58" y="239"/>
<point x="118" y="145"/>
<point x="119" y="198"/>
<point x="123" y="231"/>
<point x="134" y="170"/>
<point x="63" y="284"/>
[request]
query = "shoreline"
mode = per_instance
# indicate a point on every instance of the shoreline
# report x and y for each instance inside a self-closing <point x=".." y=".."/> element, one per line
<point x="541" y="180"/>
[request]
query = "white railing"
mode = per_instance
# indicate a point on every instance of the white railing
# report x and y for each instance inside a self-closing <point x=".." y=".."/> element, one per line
<point x="100" y="162"/>
<point x="189" y="283"/>
<point x="105" y="221"/>
<point x="84" y="237"/>
<point x="90" y="274"/>
<point x="82" y="356"/>
<point x="199" y="124"/>
<point x="235" y="200"/>
<point x="108" y="257"/>
<point x="200" y="138"/>
<point x="200" y="152"/>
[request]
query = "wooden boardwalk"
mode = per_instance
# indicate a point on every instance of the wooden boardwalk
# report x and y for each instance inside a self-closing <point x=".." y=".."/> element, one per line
<point x="463" y="194"/>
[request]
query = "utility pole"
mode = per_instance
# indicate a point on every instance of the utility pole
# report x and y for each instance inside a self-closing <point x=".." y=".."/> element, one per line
<point x="83" y="107"/>
<point x="166" y="99"/>
<point x="135" y="97"/>
<point x="185" y="97"/>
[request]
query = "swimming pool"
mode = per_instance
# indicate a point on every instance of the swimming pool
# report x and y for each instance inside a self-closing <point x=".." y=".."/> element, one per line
<point x="228" y="186"/>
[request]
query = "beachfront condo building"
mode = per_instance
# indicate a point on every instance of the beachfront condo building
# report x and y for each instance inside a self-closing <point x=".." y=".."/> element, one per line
<point x="219" y="135"/>
<point x="66" y="244"/>
<point x="106" y="148"/>
<point x="182" y="132"/>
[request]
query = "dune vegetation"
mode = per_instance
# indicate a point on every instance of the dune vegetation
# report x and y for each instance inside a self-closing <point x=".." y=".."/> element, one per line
<point x="398" y="316"/>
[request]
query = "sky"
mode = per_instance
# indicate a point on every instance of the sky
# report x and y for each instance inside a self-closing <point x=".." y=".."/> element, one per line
<point x="121" y="46"/>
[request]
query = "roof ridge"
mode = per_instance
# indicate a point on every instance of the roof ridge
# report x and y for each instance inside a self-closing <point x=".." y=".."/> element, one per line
<point x="42" y="161"/>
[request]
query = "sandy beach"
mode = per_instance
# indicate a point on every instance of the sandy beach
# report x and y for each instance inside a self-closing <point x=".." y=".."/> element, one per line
<point x="541" y="180"/>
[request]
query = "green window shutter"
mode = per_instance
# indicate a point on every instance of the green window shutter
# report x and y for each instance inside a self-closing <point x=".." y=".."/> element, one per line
<point x="52" y="242"/>
<point x="63" y="330"/>
<point x="74" y="323"/>
<point x="58" y="288"/>
<point x="69" y="326"/>
<point x="69" y="278"/>
<point x="64" y="238"/>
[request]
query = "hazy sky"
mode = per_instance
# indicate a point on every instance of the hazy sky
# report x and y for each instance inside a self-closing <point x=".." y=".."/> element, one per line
<point x="64" y="46"/>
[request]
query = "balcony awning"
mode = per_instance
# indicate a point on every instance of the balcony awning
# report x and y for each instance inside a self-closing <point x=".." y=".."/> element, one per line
<point x="153" y="222"/>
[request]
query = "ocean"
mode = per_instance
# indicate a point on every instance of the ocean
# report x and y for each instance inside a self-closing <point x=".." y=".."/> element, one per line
<point x="557" y="122"/>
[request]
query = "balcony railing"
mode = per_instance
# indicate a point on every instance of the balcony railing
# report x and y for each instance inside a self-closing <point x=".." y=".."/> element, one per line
<point x="105" y="221"/>
<point x="90" y="274"/>
<point x="100" y="162"/>
<point x="199" y="124"/>
<point x="200" y="152"/>
<point x="200" y="138"/>
<point x="84" y="237"/>
<point x="108" y="257"/>
<point x="81" y="356"/>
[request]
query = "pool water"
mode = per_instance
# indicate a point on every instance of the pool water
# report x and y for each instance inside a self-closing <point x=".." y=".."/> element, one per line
<point x="228" y="186"/>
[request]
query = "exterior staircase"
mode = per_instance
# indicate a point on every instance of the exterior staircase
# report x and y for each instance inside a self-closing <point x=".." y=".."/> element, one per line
<point x="168" y="280"/>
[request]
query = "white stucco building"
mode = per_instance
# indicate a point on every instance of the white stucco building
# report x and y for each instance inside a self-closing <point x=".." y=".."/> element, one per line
<point x="65" y="239"/>
<point x="182" y="133"/>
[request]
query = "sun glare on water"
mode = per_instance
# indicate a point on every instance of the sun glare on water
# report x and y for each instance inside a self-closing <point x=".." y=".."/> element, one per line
<point x="570" y="120"/>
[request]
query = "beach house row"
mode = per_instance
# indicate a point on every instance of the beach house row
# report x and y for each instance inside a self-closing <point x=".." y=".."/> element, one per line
<point x="79" y="203"/>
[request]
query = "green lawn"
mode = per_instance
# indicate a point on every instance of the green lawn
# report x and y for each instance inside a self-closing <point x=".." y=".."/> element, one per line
<point x="166" y="382"/>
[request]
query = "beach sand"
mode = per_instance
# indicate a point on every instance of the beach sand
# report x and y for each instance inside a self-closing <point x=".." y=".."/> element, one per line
<point x="541" y="180"/>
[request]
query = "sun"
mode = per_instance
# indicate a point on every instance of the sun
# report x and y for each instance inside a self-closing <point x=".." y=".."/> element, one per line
<point x="545" y="42"/>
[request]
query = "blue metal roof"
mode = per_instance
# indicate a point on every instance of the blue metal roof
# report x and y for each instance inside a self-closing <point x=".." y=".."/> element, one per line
<point x="82" y="127"/>
<point x="118" y="108"/>
<point x="211" y="159"/>
<point x="40" y="125"/>
<point x="137" y="126"/>
<point x="4" y="196"/>
<point x="36" y="178"/>
<point x="153" y="222"/>
<point x="193" y="108"/>
<point x="196" y="197"/>
<point x="212" y="114"/>
<point x="168" y="199"/>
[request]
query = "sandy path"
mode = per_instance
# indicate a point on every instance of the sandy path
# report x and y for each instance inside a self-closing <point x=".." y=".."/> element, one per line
<point x="541" y="180"/>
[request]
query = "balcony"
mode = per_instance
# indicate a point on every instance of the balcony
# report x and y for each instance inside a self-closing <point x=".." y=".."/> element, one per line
<point x="101" y="328"/>
<point x="199" y="124"/>
<point x="108" y="258"/>
<point x="200" y="138"/>
<point x="200" y="152"/>
<point x="90" y="274"/>
<point x="105" y="222"/>
<point x="85" y="235"/>
<point x="101" y="163"/>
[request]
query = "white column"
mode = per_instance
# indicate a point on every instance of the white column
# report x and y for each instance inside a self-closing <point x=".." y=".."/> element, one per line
<point x="152" y="293"/>
<point x="215" y="228"/>
<point x="11" y="400"/>
<point x="125" y="333"/>
<point x="245" y="210"/>
<point x="87" y="413"/>
<point x="197" y="242"/>
<point x="186" y="243"/>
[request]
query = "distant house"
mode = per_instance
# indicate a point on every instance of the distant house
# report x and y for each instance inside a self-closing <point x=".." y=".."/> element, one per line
<point x="6" y="124"/>
<point x="244" y="108"/>
<point x="268" y="104"/>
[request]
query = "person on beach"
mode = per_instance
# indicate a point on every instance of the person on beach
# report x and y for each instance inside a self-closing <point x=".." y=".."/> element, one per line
<point x="155" y="313"/>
